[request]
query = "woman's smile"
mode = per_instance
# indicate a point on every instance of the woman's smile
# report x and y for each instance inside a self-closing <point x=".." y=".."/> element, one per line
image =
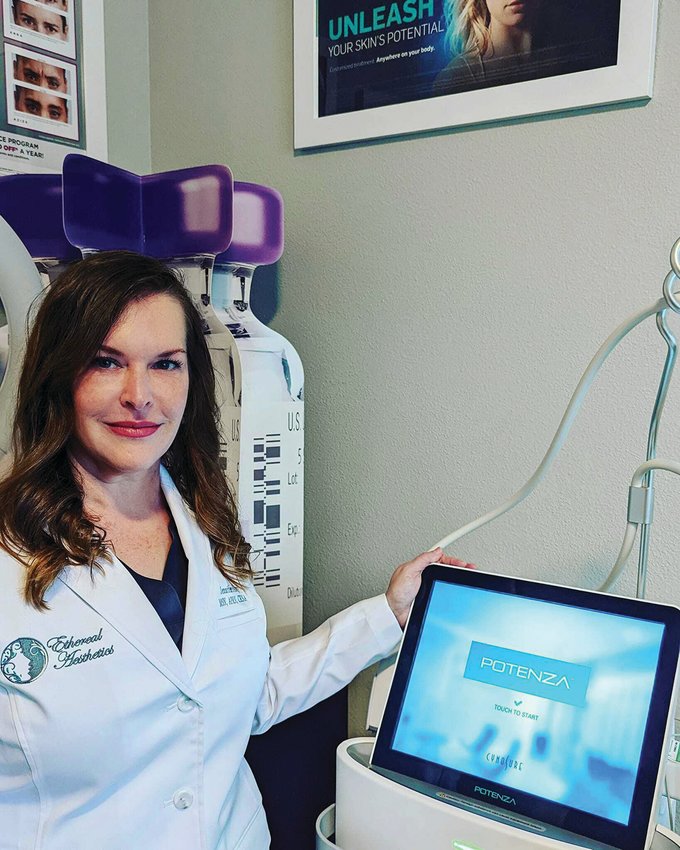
<point x="133" y="429"/>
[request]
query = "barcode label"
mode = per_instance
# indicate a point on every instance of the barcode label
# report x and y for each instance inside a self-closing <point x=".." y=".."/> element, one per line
<point x="238" y="331"/>
<point x="223" y="458"/>
<point x="270" y="493"/>
<point x="267" y="509"/>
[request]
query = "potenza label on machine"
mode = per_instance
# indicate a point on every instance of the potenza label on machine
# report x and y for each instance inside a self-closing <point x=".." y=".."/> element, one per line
<point x="530" y="674"/>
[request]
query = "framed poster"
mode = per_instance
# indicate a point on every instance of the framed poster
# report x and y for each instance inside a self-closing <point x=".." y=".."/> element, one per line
<point x="366" y="69"/>
<point x="52" y="92"/>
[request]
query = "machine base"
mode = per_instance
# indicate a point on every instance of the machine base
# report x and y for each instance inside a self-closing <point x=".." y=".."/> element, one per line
<point x="374" y="813"/>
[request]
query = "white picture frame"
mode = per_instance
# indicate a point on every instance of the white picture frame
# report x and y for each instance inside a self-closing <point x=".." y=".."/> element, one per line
<point x="36" y="140"/>
<point x="630" y="78"/>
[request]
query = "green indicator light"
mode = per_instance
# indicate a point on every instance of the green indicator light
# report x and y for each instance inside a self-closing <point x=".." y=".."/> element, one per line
<point x="462" y="845"/>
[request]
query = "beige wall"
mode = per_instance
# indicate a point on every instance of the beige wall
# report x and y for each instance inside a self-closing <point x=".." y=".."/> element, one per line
<point x="445" y="293"/>
<point x="126" y="26"/>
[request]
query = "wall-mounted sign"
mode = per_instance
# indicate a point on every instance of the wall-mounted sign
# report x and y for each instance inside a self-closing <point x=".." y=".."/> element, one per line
<point x="365" y="70"/>
<point x="52" y="93"/>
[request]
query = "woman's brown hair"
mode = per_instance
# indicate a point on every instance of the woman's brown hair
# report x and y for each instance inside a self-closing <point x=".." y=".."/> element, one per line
<point x="42" y="520"/>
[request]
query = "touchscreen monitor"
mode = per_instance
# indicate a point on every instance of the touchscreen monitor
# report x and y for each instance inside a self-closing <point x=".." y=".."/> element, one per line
<point x="546" y="701"/>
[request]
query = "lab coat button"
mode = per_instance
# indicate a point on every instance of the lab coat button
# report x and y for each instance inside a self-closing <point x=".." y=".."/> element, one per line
<point x="183" y="799"/>
<point x="185" y="703"/>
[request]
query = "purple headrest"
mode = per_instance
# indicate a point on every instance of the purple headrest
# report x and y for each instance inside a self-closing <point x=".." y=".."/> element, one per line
<point x="32" y="206"/>
<point x="258" y="226"/>
<point x="170" y="214"/>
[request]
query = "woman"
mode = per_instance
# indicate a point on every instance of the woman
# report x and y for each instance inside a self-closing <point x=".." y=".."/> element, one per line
<point x="489" y="40"/>
<point x="122" y="726"/>
<point x="497" y="42"/>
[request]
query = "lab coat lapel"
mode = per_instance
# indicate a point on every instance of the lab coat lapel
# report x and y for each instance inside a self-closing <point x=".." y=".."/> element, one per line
<point x="117" y="598"/>
<point x="201" y="569"/>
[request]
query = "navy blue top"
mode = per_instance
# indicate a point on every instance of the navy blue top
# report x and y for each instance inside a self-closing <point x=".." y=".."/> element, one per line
<point x="168" y="595"/>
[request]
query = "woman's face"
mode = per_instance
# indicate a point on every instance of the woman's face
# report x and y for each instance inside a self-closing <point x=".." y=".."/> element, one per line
<point x="511" y="13"/>
<point x="129" y="402"/>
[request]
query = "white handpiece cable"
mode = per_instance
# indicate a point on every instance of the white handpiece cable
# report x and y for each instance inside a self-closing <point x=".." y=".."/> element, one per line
<point x="565" y="425"/>
<point x="670" y="300"/>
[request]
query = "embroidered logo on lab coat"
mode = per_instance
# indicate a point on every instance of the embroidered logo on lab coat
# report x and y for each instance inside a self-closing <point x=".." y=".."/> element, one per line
<point x="71" y="650"/>
<point x="23" y="660"/>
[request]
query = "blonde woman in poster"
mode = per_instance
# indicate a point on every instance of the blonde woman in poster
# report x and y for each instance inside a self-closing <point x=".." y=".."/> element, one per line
<point x="495" y="42"/>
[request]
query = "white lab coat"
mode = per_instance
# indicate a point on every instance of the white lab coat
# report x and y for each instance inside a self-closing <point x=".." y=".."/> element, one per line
<point x="110" y="740"/>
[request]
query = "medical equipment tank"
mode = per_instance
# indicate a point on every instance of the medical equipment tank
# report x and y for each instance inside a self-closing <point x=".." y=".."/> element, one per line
<point x="33" y="251"/>
<point x="269" y="480"/>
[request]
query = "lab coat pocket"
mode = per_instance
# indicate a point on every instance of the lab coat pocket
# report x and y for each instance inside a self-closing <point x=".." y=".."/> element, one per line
<point x="256" y="836"/>
<point x="236" y="618"/>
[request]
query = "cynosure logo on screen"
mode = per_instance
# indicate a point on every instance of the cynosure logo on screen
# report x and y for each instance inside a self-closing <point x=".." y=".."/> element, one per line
<point x="538" y="675"/>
